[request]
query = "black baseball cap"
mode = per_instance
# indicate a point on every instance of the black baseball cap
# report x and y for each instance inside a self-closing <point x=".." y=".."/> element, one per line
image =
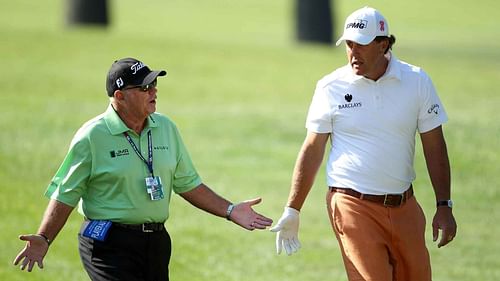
<point x="130" y="72"/>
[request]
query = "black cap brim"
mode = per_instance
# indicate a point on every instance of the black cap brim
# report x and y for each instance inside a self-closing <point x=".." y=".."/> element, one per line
<point x="152" y="76"/>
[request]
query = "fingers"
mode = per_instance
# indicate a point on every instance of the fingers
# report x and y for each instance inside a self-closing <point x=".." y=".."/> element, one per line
<point x="286" y="245"/>
<point x="24" y="237"/>
<point x="255" y="201"/>
<point x="278" y="244"/>
<point x="19" y="257"/>
<point x="445" y="223"/>
<point x="435" y="233"/>
<point x="445" y="239"/>
<point x="260" y="224"/>
<point x="34" y="251"/>
<point x="25" y="261"/>
<point x="276" y="228"/>
<point x="446" y="236"/>
<point x="28" y="263"/>
<point x="291" y="245"/>
<point x="263" y="221"/>
<point x="296" y="243"/>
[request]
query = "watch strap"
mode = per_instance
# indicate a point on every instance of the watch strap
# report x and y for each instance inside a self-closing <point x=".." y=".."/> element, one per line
<point x="447" y="203"/>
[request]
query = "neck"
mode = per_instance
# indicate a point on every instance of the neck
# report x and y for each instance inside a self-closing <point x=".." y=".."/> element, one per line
<point x="381" y="68"/>
<point x="133" y="121"/>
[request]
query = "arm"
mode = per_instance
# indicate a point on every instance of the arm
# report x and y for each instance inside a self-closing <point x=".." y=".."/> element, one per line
<point x="242" y="214"/>
<point x="306" y="167"/>
<point x="438" y="166"/>
<point x="36" y="247"/>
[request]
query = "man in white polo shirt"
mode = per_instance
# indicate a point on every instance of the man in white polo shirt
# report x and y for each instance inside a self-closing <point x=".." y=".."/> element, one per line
<point x="371" y="110"/>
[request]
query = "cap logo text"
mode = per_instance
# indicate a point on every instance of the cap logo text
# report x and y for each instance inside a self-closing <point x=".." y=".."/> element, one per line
<point x="360" y="24"/>
<point x="119" y="82"/>
<point x="136" y="67"/>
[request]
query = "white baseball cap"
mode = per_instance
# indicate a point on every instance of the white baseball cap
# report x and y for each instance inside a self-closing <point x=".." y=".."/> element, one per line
<point x="363" y="25"/>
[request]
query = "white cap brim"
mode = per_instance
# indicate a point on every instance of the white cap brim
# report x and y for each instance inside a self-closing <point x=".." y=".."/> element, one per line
<point x="355" y="37"/>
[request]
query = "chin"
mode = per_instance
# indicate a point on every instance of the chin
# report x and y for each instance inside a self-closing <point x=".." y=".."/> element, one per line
<point x="151" y="109"/>
<point x="358" y="72"/>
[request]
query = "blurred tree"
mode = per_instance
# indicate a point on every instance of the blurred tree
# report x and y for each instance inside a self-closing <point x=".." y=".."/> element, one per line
<point x="314" y="21"/>
<point x="87" y="12"/>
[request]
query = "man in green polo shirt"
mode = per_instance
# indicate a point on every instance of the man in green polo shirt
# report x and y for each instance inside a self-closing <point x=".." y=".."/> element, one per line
<point x="121" y="169"/>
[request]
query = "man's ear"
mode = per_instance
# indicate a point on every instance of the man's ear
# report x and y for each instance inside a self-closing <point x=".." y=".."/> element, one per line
<point x="384" y="44"/>
<point x="118" y="94"/>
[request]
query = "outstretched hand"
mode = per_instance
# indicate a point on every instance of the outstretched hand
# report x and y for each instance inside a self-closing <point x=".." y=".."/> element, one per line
<point x="34" y="251"/>
<point x="244" y="216"/>
<point x="287" y="231"/>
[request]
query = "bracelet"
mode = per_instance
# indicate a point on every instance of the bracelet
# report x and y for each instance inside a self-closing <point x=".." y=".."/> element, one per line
<point x="45" y="237"/>
<point x="229" y="211"/>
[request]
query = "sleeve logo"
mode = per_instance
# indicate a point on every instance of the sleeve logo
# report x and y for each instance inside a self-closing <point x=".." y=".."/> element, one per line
<point x="434" y="108"/>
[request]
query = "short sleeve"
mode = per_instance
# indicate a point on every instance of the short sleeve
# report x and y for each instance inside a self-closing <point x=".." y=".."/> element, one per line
<point x="185" y="176"/>
<point x="319" y="117"/>
<point x="70" y="181"/>
<point x="432" y="113"/>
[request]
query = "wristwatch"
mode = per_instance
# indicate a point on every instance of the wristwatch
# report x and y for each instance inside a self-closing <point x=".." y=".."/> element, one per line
<point x="447" y="203"/>
<point x="229" y="211"/>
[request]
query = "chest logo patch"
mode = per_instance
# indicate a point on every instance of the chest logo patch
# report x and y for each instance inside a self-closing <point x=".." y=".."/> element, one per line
<point x="348" y="98"/>
<point x="118" y="153"/>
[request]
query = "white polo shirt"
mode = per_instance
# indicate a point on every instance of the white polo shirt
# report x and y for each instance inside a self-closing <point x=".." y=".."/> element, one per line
<point x="373" y="125"/>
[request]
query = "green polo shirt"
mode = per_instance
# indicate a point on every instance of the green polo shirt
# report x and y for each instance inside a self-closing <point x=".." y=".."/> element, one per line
<point x="103" y="174"/>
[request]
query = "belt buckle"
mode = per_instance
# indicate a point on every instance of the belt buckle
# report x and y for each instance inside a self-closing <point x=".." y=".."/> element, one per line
<point x="144" y="229"/>
<point x="387" y="203"/>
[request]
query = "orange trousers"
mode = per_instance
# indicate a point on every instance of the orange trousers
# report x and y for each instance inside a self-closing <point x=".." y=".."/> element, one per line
<point x="380" y="243"/>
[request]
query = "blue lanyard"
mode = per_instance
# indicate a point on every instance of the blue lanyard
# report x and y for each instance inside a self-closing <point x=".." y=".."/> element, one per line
<point x="148" y="162"/>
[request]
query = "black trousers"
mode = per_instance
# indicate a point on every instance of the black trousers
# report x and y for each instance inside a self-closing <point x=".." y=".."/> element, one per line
<point x="127" y="255"/>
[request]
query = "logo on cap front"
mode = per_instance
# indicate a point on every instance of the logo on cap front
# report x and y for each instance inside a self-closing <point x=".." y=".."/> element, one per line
<point x="136" y="67"/>
<point x="360" y="24"/>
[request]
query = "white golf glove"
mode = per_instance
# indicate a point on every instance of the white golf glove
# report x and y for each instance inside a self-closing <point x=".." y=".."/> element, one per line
<point x="287" y="230"/>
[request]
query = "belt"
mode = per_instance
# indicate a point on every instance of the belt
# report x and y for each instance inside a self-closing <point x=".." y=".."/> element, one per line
<point x="145" y="227"/>
<point x="387" y="200"/>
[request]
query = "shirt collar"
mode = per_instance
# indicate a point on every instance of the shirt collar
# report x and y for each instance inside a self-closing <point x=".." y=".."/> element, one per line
<point x="116" y="125"/>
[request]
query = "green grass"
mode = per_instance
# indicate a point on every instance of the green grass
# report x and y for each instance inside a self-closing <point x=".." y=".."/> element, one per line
<point x="239" y="87"/>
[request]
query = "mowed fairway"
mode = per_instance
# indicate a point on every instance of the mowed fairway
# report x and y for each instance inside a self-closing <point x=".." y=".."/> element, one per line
<point x="239" y="87"/>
